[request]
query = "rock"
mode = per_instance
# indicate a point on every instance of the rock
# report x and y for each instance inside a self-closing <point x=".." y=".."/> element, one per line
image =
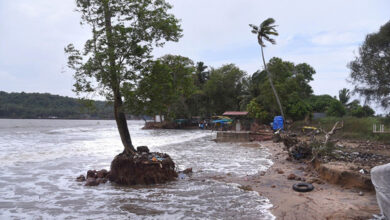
<point x="81" y="178"/>
<point x="142" y="149"/>
<point x="262" y="173"/>
<point x="291" y="176"/>
<point x="188" y="171"/>
<point x="273" y="186"/>
<point x="279" y="171"/>
<point x="102" y="173"/>
<point x="91" y="174"/>
<point x="91" y="182"/>
<point x="361" y="193"/>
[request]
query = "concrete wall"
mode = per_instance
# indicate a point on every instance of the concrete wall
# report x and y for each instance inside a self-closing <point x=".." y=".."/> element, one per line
<point x="232" y="136"/>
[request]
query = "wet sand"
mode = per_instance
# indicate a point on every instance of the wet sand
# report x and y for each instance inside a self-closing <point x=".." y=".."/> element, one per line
<point x="326" y="201"/>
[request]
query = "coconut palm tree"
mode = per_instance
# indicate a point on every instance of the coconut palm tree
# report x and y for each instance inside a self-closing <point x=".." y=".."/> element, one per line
<point x="264" y="33"/>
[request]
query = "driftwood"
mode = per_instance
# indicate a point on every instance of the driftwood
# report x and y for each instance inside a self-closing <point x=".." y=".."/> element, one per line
<point x="334" y="129"/>
<point x="328" y="135"/>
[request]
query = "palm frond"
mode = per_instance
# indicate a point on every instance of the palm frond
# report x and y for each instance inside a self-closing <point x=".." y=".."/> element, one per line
<point x="255" y="29"/>
<point x="267" y="23"/>
<point x="267" y="38"/>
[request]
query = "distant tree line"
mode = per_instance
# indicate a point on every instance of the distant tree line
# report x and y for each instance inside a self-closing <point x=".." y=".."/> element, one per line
<point x="45" y="105"/>
<point x="176" y="87"/>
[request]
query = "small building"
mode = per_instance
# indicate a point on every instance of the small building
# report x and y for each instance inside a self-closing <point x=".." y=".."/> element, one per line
<point x="238" y="118"/>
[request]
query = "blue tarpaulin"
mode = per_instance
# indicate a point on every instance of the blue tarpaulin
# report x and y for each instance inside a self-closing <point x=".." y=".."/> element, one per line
<point x="278" y="123"/>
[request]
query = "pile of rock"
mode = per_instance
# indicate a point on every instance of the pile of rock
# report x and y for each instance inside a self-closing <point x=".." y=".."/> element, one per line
<point x="94" y="177"/>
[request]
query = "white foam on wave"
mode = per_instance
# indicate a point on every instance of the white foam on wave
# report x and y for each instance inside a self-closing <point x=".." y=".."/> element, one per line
<point x="47" y="188"/>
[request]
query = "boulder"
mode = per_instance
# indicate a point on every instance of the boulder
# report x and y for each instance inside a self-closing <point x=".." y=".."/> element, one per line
<point x="91" y="182"/>
<point x="80" y="178"/>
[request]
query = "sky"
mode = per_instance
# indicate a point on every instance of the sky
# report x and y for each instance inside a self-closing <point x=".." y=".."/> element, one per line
<point x="324" y="34"/>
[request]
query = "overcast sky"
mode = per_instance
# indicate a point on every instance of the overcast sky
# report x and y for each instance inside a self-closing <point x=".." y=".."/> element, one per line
<point x="324" y="34"/>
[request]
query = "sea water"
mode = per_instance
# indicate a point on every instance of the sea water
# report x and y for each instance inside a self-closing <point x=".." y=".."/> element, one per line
<point x="40" y="160"/>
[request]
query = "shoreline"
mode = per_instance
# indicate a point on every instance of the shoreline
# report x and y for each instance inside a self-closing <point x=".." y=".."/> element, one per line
<point x="326" y="201"/>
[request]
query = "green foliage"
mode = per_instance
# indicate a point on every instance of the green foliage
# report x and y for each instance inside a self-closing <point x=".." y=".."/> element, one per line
<point x="224" y="88"/>
<point x="164" y="88"/>
<point x="292" y="83"/>
<point x="201" y="74"/>
<point x="336" y="109"/>
<point x="256" y="111"/>
<point x="320" y="103"/>
<point x="44" y="105"/>
<point x="344" y="96"/>
<point x="298" y="110"/>
<point x="123" y="36"/>
<point x="362" y="111"/>
<point x="264" y="31"/>
<point x="370" y="71"/>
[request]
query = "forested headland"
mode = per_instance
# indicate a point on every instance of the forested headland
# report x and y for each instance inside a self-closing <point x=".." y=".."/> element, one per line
<point x="45" y="105"/>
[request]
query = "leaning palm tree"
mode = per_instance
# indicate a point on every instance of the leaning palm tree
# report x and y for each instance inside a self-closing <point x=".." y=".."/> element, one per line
<point x="264" y="32"/>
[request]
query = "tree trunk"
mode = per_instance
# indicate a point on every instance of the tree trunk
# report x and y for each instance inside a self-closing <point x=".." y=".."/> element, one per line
<point x="273" y="87"/>
<point x="121" y="123"/>
<point x="120" y="116"/>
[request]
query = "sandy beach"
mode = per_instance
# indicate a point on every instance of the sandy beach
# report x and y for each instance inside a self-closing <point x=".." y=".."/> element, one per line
<point x="326" y="201"/>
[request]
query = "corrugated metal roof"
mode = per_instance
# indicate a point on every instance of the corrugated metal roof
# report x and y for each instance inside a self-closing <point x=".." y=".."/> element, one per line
<point x="233" y="113"/>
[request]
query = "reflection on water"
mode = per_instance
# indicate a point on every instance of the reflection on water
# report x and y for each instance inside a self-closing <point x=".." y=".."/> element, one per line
<point x="41" y="158"/>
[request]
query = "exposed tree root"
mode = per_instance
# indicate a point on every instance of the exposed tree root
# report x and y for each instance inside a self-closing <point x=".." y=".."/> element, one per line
<point x="141" y="168"/>
<point x="144" y="169"/>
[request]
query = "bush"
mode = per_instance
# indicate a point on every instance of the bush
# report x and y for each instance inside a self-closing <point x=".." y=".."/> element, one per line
<point x="336" y="109"/>
<point x="320" y="103"/>
<point x="298" y="110"/>
<point x="256" y="111"/>
<point x="361" y="112"/>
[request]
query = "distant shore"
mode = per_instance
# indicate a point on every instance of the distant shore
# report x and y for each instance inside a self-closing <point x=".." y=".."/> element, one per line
<point x="326" y="201"/>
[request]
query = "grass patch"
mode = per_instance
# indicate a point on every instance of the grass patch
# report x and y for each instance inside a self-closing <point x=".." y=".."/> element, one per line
<point x="354" y="128"/>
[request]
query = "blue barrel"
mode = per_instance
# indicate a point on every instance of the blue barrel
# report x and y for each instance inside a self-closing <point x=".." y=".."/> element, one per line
<point x="278" y="123"/>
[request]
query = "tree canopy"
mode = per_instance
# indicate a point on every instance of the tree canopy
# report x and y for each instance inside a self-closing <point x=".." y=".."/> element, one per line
<point x="370" y="71"/>
<point x="224" y="88"/>
<point x="164" y="88"/>
<point x="292" y="83"/>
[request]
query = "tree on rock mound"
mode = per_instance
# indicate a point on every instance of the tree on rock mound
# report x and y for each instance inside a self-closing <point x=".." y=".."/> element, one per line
<point x="123" y="35"/>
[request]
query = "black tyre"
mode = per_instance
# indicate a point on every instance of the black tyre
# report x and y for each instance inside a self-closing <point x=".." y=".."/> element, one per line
<point x="303" y="187"/>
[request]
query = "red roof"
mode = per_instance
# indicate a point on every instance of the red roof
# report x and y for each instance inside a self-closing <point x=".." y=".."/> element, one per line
<point x="235" y="113"/>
